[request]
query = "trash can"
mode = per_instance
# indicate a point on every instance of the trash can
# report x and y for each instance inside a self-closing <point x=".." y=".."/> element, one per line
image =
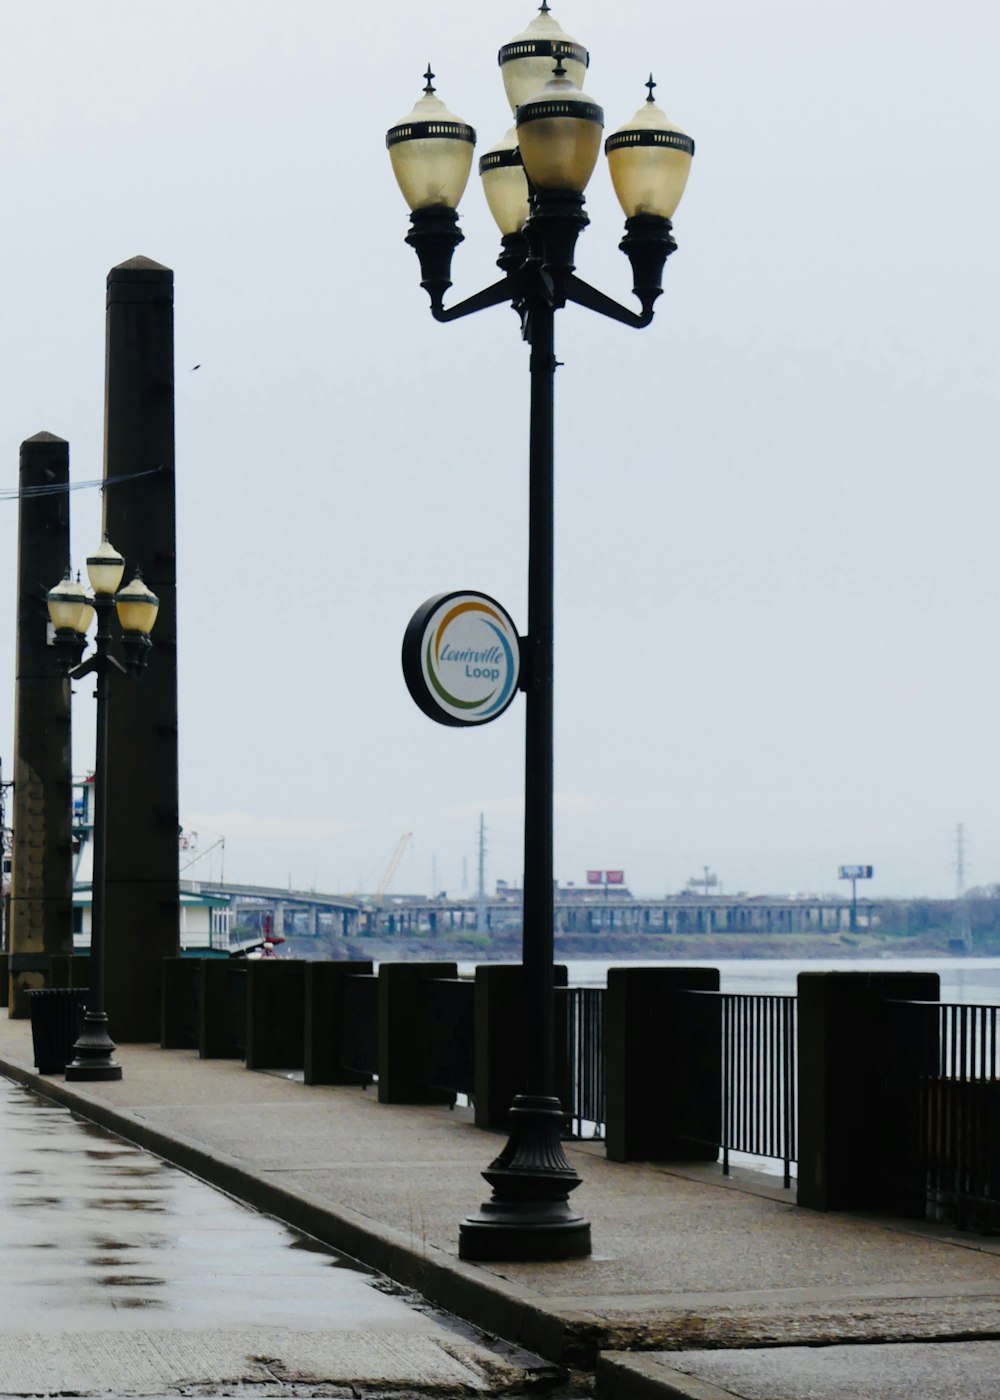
<point x="56" y="1022"/>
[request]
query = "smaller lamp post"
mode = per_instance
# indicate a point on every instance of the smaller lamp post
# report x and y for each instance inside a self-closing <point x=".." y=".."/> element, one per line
<point x="72" y="607"/>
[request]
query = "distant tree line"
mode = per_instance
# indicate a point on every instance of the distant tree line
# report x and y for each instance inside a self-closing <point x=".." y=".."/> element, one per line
<point x="903" y="918"/>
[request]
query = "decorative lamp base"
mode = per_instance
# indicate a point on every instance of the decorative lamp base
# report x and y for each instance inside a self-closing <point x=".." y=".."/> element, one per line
<point x="94" y="1051"/>
<point x="434" y="234"/>
<point x="648" y="242"/>
<point x="529" y="1216"/>
<point x="557" y="220"/>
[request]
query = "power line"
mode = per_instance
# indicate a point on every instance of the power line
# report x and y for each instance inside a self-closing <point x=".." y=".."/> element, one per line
<point x="55" y="488"/>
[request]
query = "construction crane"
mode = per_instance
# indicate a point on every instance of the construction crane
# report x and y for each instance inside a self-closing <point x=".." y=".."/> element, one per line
<point x="394" y="860"/>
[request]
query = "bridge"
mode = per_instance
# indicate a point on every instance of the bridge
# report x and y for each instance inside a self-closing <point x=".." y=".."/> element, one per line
<point x="308" y="913"/>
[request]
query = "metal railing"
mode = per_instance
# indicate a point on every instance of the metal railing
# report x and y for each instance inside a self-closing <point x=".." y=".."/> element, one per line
<point x="449" y="1027"/>
<point x="760" y="1078"/>
<point x="586" y="1091"/>
<point x="360" y="1046"/>
<point x="959" y="1119"/>
<point x="969" y="1041"/>
<point x="759" y="1073"/>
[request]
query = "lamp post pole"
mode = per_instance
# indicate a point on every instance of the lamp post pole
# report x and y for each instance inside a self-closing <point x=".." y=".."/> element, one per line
<point x="534" y="181"/>
<point x="94" y="1051"/>
<point x="71" y="610"/>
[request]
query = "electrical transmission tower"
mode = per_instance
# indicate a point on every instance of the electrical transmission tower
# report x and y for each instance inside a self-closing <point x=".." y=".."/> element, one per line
<point x="963" y="921"/>
<point x="481" y="890"/>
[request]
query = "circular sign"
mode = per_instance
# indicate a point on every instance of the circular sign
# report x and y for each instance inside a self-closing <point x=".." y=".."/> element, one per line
<point x="461" y="658"/>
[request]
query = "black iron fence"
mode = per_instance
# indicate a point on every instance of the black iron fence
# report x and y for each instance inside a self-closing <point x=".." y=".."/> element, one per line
<point x="959" y="1119"/>
<point x="449" y="1035"/>
<point x="759" y="1073"/>
<point x="360" y="1045"/>
<point x="586" y="1090"/>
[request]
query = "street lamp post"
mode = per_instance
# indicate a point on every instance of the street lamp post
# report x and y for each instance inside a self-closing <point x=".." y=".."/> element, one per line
<point x="71" y="610"/>
<point x="534" y="181"/>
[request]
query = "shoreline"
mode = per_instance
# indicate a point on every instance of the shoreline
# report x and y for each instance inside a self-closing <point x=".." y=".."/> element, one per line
<point x="636" y="947"/>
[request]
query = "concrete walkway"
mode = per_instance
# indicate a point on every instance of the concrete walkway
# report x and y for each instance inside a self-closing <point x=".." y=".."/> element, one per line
<point x="683" y="1260"/>
<point x="120" y="1274"/>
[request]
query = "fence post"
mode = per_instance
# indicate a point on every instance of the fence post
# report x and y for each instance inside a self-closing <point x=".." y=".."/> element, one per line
<point x="849" y="1092"/>
<point x="275" y="1035"/>
<point x="324" y="1022"/>
<point x="179" y="1003"/>
<point x="401" y="1031"/>
<point x="662" y="1063"/>
<point x="501" y="1067"/>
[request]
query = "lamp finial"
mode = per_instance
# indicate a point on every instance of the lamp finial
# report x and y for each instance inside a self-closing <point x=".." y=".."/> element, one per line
<point x="651" y="85"/>
<point x="429" y="89"/>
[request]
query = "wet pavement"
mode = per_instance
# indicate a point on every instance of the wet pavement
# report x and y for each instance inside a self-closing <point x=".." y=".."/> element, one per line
<point x="122" y="1275"/>
<point x="699" y="1285"/>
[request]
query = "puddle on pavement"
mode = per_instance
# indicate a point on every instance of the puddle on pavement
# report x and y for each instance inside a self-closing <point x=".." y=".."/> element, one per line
<point x="93" y="1229"/>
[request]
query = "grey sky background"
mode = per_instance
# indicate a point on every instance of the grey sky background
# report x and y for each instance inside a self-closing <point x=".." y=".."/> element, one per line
<point x="777" y="570"/>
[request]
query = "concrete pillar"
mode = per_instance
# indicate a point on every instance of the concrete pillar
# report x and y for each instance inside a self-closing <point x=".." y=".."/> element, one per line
<point x="142" y="890"/>
<point x="664" y="1064"/>
<point x="41" y="905"/>
<point x="400" y="1031"/>
<point x="311" y="920"/>
<point x="278" y="918"/>
<point x="849" y="1110"/>
<point x="324" y="1022"/>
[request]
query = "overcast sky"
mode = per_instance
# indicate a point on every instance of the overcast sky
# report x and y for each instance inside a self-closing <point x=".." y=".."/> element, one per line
<point x="778" y="580"/>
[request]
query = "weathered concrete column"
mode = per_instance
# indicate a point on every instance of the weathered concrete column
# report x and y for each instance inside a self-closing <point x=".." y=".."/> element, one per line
<point x="41" y="905"/>
<point x="143" y="908"/>
<point x="850" y="1112"/>
<point x="664" y="1064"/>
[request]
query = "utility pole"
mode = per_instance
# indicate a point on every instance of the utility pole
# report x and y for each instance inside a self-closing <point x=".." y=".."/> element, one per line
<point x="481" y="891"/>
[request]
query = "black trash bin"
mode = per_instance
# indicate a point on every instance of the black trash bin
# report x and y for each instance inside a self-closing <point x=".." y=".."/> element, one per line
<point x="56" y="1022"/>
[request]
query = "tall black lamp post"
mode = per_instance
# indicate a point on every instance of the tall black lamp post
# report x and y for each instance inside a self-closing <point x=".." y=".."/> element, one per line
<point x="534" y="181"/>
<point x="71" y="610"/>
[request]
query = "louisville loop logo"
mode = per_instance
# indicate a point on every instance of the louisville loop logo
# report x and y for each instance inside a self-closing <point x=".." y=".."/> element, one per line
<point x="461" y="658"/>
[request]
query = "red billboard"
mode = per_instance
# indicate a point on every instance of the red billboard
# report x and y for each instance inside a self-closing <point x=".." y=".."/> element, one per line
<point x="594" y="877"/>
<point x="615" y="877"/>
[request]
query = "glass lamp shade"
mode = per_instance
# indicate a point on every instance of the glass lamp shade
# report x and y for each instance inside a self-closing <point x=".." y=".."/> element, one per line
<point x="105" y="568"/>
<point x="559" y="132"/>
<point x="526" y="62"/>
<point x="69" y="609"/>
<point x="137" y="607"/>
<point x="431" y="154"/>
<point x="649" y="160"/>
<point x="505" y="184"/>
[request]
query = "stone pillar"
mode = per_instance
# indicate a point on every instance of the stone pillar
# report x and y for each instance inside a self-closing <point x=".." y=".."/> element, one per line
<point x="849" y="1107"/>
<point x="143" y="906"/>
<point x="664" y="1064"/>
<point x="41" y="905"/>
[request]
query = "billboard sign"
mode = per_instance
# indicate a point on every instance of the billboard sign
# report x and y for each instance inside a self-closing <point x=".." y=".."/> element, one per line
<point x="855" y="872"/>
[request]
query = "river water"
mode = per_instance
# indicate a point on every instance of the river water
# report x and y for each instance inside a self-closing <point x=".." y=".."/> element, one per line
<point x="964" y="980"/>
